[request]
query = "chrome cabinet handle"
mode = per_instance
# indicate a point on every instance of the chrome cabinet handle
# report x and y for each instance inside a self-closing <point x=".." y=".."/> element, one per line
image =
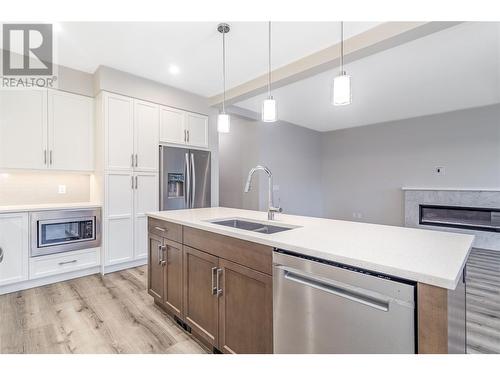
<point x="219" y="289"/>
<point x="50" y="157"/>
<point x="131" y="160"/>
<point x="68" y="262"/>
<point x="214" y="286"/>
<point x="44" y="156"/>
<point x="136" y="160"/>
<point x="161" y="229"/>
<point x="187" y="131"/>
<point x="136" y="183"/>
<point x="1" y="255"/>
<point x="132" y="179"/>
<point x="160" y="254"/>
<point x="185" y="137"/>
<point x="164" y="261"/>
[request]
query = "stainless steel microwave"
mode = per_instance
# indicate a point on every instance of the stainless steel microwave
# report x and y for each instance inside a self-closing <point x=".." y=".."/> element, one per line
<point x="64" y="230"/>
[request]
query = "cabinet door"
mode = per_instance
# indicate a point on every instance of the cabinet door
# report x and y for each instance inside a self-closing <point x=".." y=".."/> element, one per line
<point x="118" y="230"/>
<point x="23" y="129"/>
<point x="245" y="310"/>
<point x="200" y="303"/>
<point x="146" y="136"/>
<point x="172" y="125"/>
<point x="155" y="267"/>
<point x="119" y="132"/>
<point x="71" y="131"/>
<point x="197" y="126"/>
<point x="14" y="248"/>
<point x="173" y="276"/>
<point x="145" y="200"/>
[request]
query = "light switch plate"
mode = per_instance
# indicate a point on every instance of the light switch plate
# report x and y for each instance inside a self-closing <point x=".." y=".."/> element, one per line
<point x="61" y="189"/>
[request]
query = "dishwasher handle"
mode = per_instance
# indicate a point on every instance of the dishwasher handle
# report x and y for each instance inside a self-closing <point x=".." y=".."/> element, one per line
<point x="337" y="290"/>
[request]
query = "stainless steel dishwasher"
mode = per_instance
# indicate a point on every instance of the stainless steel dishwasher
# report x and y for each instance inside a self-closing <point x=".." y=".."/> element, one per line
<point x="326" y="307"/>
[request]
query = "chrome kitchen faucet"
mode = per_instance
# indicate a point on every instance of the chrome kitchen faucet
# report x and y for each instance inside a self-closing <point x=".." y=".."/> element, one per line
<point x="272" y="209"/>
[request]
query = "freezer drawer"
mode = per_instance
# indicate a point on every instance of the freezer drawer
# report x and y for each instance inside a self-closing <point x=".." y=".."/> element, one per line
<point x="324" y="308"/>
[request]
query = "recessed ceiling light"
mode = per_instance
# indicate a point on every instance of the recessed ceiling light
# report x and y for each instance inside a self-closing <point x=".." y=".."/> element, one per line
<point x="173" y="69"/>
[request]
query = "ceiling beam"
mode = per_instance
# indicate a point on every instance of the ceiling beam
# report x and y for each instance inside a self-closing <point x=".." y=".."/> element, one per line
<point x="377" y="39"/>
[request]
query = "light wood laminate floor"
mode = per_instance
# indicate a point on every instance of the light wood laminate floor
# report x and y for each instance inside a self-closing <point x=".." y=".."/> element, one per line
<point x="93" y="314"/>
<point x="483" y="301"/>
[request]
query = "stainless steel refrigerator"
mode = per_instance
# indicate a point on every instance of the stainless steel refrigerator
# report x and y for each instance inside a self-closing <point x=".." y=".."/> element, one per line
<point x="184" y="178"/>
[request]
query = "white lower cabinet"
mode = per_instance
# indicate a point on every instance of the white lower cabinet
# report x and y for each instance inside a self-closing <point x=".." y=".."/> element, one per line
<point x="14" y="248"/>
<point x="128" y="197"/>
<point x="50" y="265"/>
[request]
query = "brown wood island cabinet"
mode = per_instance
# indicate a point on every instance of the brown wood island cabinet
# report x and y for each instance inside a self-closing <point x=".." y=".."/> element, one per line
<point x="220" y="287"/>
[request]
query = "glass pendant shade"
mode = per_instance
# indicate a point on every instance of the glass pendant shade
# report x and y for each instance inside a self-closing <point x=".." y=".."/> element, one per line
<point x="342" y="92"/>
<point x="223" y="123"/>
<point x="269" y="111"/>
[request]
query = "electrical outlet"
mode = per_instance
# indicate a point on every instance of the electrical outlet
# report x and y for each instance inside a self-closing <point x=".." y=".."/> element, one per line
<point x="61" y="189"/>
<point x="439" y="171"/>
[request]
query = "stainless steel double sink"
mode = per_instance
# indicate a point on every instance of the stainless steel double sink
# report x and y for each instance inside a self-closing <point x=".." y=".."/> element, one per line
<point x="252" y="226"/>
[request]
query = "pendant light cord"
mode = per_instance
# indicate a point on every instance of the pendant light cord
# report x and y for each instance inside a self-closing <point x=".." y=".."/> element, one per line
<point x="224" y="71"/>
<point x="269" y="67"/>
<point x="341" y="47"/>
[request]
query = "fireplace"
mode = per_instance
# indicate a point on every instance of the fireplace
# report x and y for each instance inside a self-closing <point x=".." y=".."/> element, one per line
<point x="473" y="218"/>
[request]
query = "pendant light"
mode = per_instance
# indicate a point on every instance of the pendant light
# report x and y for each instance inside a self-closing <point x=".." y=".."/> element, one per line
<point x="269" y="112"/>
<point x="223" y="119"/>
<point x="342" y="92"/>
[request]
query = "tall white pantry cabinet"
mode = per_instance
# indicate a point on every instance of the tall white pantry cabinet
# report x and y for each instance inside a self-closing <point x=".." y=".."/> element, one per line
<point x="127" y="140"/>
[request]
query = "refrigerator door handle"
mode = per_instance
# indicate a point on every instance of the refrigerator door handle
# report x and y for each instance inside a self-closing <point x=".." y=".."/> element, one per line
<point x="187" y="168"/>
<point x="161" y="178"/>
<point x="194" y="181"/>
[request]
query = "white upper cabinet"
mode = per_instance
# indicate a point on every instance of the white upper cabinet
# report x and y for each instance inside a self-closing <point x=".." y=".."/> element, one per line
<point x="42" y="129"/>
<point x="23" y="129"/>
<point x="14" y="248"/>
<point x="197" y="130"/>
<point x="172" y="125"/>
<point x="183" y="128"/>
<point x="146" y="136"/>
<point x="119" y="132"/>
<point x="71" y="131"/>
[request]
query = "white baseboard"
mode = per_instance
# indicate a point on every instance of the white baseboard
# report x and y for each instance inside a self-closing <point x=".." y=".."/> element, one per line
<point x="48" y="280"/>
<point x="125" y="265"/>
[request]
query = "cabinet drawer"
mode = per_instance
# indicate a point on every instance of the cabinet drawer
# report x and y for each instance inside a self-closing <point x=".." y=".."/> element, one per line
<point x="249" y="254"/>
<point x="56" y="264"/>
<point x="165" y="229"/>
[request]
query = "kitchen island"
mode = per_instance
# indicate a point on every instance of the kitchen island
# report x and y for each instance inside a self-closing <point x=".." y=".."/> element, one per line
<point x="189" y="250"/>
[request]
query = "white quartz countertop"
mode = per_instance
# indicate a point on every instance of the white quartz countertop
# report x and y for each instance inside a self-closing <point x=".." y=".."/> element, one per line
<point x="47" y="207"/>
<point x="430" y="257"/>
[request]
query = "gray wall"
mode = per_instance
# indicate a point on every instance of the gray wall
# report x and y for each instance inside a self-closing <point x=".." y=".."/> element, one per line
<point x="364" y="168"/>
<point x="291" y="152"/>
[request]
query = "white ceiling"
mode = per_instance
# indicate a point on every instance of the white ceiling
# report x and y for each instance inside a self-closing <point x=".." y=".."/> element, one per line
<point x="452" y="69"/>
<point x="147" y="49"/>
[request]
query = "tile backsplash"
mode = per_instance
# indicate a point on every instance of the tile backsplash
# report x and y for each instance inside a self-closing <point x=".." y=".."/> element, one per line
<point x="43" y="187"/>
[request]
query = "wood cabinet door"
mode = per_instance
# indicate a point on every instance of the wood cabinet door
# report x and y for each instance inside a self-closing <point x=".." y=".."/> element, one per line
<point x="23" y="129"/>
<point x="119" y="132"/>
<point x="71" y="131"/>
<point x="245" y="310"/>
<point x="146" y="136"/>
<point x="197" y="127"/>
<point x="172" y="125"/>
<point x="172" y="297"/>
<point x="200" y="303"/>
<point x="155" y="267"/>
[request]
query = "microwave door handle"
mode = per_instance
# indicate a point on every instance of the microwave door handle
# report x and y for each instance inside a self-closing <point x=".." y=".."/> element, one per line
<point x="187" y="170"/>
<point x="194" y="181"/>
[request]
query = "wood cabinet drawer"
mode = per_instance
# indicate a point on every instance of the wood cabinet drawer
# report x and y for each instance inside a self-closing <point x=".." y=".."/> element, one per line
<point x="249" y="254"/>
<point x="56" y="264"/>
<point x="165" y="229"/>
